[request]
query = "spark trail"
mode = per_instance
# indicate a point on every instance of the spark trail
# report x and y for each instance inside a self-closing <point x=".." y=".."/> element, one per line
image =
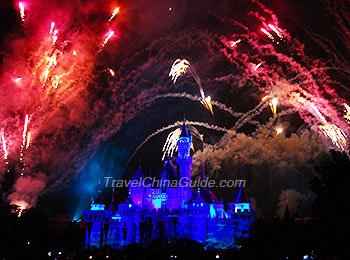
<point x="176" y="124"/>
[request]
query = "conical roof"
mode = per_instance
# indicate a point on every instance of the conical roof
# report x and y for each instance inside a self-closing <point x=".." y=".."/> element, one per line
<point x="129" y="200"/>
<point x="168" y="171"/>
<point x="111" y="206"/>
<point x="239" y="196"/>
<point x="138" y="174"/>
<point x="184" y="132"/>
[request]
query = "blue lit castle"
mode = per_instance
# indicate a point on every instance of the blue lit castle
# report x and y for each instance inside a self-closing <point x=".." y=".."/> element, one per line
<point x="164" y="211"/>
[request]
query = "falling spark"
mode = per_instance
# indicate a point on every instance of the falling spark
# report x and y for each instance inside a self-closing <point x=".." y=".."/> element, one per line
<point x="25" y="128"/>
<point x="52" y="27"/>
<point x="4" y="147"/>
<point x="273" y="28"/>
<point x="53" y="33"/>
<point x="234" y="43"/>
<point x="264" y="98"/>
<point x="170" y="145"/>
<point x="28" y="139"/>
<point x="107" y="38"/>
<point x="279" y="130"/>
<point x="321" y="117"/>
<point x="267" y="34"/>
<point x="335" y="134"/>
<point x="178" y="68"/>
<point x="347" y="113"/>
<point x="116" y="10"/>
<point x="206" y="102"/>
<point x="273" y="105"/>
<point x="257" y="66"/>
<point x="21" y="10"/>
<point x="18" y="80"/>
<point x="111" y="72"/>
<point x="74" y="53"/>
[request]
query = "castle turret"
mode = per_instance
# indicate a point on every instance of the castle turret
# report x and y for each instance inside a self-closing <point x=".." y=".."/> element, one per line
<point x="184" y="160"/>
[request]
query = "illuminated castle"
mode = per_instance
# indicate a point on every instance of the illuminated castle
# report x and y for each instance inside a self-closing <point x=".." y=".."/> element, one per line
<point x="167" y="212"/>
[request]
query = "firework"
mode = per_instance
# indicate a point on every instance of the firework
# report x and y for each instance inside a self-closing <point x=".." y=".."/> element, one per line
<point x="53" y="33"/>
<point x="18" y="80"/>
<point x="264" y="98"/>
<point x="178" y="68"/>
<point x="206" y="102"/>
<point x="4" y="147"/>
<point x="234" y="43"/>
<point x="347" y="113"/>
<point x="115" y="12"/>
<point x="267" y="34"/>
<point x="257" y="66"/>
<point x="273" y="104"/>
<point x="28" y="139"/>
<point x="170" y="145"/>
<point x="21" y="11"/>
<point x="273" y="28"/>
<point x="279" y="130"/>
<point x="111" y="72"/>
<point x="107" y="38"/>
<point x="25" y="128"/>
<point x="336" y="135"/>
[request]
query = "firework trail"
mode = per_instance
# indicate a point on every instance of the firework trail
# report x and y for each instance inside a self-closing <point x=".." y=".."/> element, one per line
<point x="4" y="148"/>
<point x="176" y="124"/>
<point x="274" y="78"/>
<point x="21" y="11"/>
<point x="109" y="35"/>
<point x="179" y="68"/>
<point x="170" y="145"/>
<point x="217" y="104"/>
<point x="115" y="12"/>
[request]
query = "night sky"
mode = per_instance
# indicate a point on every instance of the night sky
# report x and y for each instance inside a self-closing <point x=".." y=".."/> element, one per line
<point x="88" y="126"/>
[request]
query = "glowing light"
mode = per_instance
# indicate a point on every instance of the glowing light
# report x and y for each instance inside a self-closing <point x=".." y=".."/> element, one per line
<point x="21" y="204"/>
<point x="21" y="11"/>
<point x="257" y="66"/>
<point x="4" y="147"/>
<point x="318" y="113"/>
<point x="273" y="104"/>
<point x="28" y="139"/>
<point x="18" y="80"/>
<point x="25" y="128"/>
<point x="178" y="68"/>
<point x="74" y="53"/>
<point x="273" y="28"/>
<point x="264" y="98"/>
<point x="206" y="102"/>
<point x="107" y="38"/>
<point x="347" y="113"/>
<point x="279" y="130"/>
<point x="115" y="12"/>
<point x="111" y="72"/>
<point x="267" y="34"/>
<point x="170" y="145"/>
<point x="335" y="134"/>
<point x="234" y="43"/>
<point x="53" y="33"/>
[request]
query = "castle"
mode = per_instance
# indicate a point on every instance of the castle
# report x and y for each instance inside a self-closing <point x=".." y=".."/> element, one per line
<point x="160" y="211"/>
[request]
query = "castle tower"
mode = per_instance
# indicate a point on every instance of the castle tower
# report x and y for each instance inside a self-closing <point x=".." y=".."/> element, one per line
<point x="184" y="160"/>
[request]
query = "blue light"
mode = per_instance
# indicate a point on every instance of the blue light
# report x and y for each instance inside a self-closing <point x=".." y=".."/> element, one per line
<point x="97" y="207"/>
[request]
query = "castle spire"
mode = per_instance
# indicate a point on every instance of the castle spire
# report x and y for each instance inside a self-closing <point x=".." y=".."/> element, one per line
<point x="203" y="174"/>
